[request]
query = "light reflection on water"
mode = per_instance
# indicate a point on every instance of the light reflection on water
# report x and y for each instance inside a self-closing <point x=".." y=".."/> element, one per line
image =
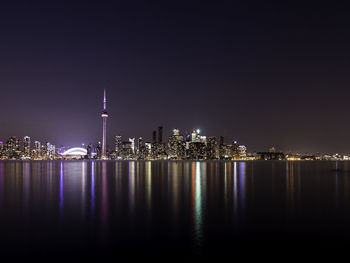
<point x="189" y="204"/>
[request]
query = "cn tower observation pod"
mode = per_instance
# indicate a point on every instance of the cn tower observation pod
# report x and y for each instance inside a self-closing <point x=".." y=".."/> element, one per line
<point x="75" y="153"/>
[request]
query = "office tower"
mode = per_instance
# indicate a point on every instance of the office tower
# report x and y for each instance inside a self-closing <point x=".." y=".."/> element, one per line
<point x="118" y="146"/>
<point x="154" y="150"/>
<point x="242" y="152"/>
<point x="194" y="136"/>
<point x="148" y="149"/>
<point x="212" y="147"/>
<point x="51" y="150"/>
<point x="89" y="151"/>
<point x="235" y="150"/>
<point x="26" y="146"/>
<point x="98" y="150"/>
<point x="221" y="142"/>
<point x="176" y="145"/>
<point x="222" y="148"/>
<point x="104" y="116"/>
<point x="160" y="134"/>
<point x="197" y="151"/>
<point x="154" y="137"/>
<point x="139" y="144"/>
<point x="13" y="148"/>
<point x="1" y="148"/>
<point x="176" y="132"/>
<point x="132" y="143"/>
<point x="43" y="150"/>
<point x="127" y="150"/>
<point x="47" y="153"/>
<point x="141" y="149"/>
<point x="37" y="150"/>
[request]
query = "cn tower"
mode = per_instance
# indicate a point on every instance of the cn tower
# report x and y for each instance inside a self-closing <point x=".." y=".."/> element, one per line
<point x="104" y="116"/>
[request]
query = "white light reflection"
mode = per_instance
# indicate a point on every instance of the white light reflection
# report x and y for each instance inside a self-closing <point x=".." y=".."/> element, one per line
<point x="149" y="185"/>
<point x="242" y="178"/>
<point x="235" y="189"/>
<point x="131" y="185"/>
<point x="197" y="201"/>
<point x="92" y="188"/>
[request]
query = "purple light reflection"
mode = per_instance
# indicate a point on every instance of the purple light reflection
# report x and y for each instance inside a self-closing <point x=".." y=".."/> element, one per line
<point x="61" y="187"/>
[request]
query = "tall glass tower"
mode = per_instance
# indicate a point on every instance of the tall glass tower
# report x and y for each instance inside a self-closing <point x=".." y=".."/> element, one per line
<point x="104" y="116"/>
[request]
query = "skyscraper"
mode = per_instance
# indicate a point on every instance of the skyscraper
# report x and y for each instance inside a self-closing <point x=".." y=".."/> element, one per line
<point x="104" y="116"/>
<point x="98" y="150"/>
<point x="89" y="151"/>
<point x="154" y="137"/>
<point x="132" y="141"/>
<point x="36" y="150"/>
<point x="176" y="149"/>
<point x="1" y="148"/>
<point x="160" y="134"/>
<point x="118" y="146"/>
<point x="26" y="146"/>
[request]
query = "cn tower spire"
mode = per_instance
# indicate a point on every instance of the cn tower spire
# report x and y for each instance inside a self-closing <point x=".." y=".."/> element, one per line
<point x="104" y="100"/>
<point x="104" y="116"/>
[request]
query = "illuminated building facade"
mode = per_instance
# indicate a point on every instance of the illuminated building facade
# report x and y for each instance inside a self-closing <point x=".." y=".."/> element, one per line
<point x="89" y="151"/>
<point x="118" y="146"/>
<point x="37" y="150"/>
<point x="212" y="148"/>
<point x="176" y="146"/>
<point x="26" y="146"/>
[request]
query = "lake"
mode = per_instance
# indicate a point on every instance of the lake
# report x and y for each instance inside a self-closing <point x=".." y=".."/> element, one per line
<point x="173" y="210"/>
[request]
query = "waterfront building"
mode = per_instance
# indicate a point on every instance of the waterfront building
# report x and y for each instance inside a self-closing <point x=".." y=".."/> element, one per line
<point x="98" y="150"/>
<point x="196" y="151"/>
<point x="13" y="148"/>
<point x="26" y="146"/>
<point x="118" y="146"/>
<point x="50" y="151"/>
<point x="242" y="151"/>
<point x="127" y="153"/>
<point x="160" y="134"/>
<point x="270" y="156"/>
<point x="176" y="132"/>
<point x="141" y="149"/>
<point x="222" y="148"/>
<point x="89" y="151"/>
<point x="154" y="137"/>
<point x="148" y="149"/>
<point x="194" y="135"/>
<point x="176" y="146"/>
<point x="1" y="149"/>
<point x="76" y="153"/>
<point x="37" y="150"/>
<point x="235" y="150"/>
<point x="132" y="142"/>
<point x="212" y="148"/>
<point x="43" y="150"/>
<point x="154" y="149"/>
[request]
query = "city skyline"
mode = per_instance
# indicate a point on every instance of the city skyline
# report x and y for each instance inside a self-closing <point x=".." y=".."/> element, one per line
<point x="101" y="149"/>
<point x="265" y="73"/>
<point x="102" y="144"/>
<point x="174" y="130"/>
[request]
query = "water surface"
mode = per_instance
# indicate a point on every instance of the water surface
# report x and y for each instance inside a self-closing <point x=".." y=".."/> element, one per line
<point x="94" y="210"/>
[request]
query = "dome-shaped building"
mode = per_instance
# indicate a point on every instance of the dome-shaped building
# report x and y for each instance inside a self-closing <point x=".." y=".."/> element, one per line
<point x="75" y="153"/>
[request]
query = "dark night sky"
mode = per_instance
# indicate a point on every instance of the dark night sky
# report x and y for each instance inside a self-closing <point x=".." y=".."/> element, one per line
<point x="259" y="72"/>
